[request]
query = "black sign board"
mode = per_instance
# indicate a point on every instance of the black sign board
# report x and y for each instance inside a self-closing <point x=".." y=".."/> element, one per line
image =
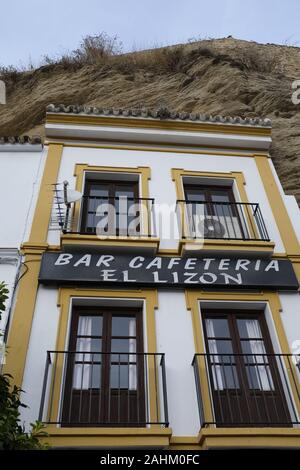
<point x="165" y="272"/>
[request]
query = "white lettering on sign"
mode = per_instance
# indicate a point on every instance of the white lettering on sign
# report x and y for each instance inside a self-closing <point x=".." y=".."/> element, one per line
<point x="86" y="260"/>
<point x="167" y="271"/>
<point x="126" y="277"/>
<point x="273" y="265"/>
<point x="208" y="278"/>
<point x="136" y="262"/>
<point x="242" y="264"/>
<point x="155" y="263"/>
<point x="189" y="278"/>
<point x="156" y="277"/>
<point x="108" y="274"/>
<point x="228" y="278"/>
<point x="190" y="263"/>
<point x="173" y="261"/>
<point x="64" y="258"/>
<point x="105" y="260"/>
<point x="224" y="264"/>
<point x="207" y="262"/>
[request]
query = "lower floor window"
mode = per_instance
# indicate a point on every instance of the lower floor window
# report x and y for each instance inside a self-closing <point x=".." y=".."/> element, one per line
<point x="245" y="374"/>
<point x="105" y="366"/>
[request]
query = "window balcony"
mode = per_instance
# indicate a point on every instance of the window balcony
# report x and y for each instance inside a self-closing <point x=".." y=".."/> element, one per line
<point x="125" y="390"/>
<point x="226" y="226"/>
<point x="247" y="390"/>
<point x="122" y="220"/>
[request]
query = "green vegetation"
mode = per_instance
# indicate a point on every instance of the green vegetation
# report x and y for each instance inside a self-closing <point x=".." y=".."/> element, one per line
<point x="12" y="433"/>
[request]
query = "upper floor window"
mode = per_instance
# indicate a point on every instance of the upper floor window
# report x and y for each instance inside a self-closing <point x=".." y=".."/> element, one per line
<point x="111" y="207"/>
<point x="214" y="213"/>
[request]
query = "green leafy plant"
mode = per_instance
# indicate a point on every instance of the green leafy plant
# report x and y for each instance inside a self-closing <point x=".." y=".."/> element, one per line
<point x="3" y="296"/>
<point x="12" y="434"/>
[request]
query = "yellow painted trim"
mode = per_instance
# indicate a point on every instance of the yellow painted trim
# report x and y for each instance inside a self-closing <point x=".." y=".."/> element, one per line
<point x="166" y="148"/>
<point x="40" y="223"/>
<point x="20" y="329"/>
<point x="147" y="144"/>
<point x="65" y="297"/>
<point x="272" y="299"/>
<point x="232" y="246"/>
<point x="144" y="171"/>
<point x="29" y="248"/>
<point x="93" y="240"/>
<point x="190" y="447"/>
<point x="184" y="440"/>
<point x="140" y="123"/>
<point x="19" y="333"/>
<point x="207" y="438"/>
<point x="144" y="174"/>
<point x="249" y="437"/>
<point x="177" y="173"/>
<point x="162" y="251"/>
<point x="296" y="266"/>
<point x="108" y="437"/>
<point x="184" y="443"/>
<point x="238" y="177"/>
<point x="280" y="213"/>
<point x="192" y="305"/>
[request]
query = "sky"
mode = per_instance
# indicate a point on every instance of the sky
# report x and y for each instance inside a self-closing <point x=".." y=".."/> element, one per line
<point x="30" y="29"/>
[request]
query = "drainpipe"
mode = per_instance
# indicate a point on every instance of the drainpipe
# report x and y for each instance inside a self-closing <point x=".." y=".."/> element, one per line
<point x="11" y="260"/>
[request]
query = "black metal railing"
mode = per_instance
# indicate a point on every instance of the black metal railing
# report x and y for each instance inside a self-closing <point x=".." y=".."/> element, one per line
<point x="221" y="220"/>
<point x="247" y="390"/>
<point x="113" y="216"/>
<point x="83" y="388"/>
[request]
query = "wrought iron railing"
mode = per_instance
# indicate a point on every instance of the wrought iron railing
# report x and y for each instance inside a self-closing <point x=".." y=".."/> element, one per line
<point x="84" y="388"/>
<point x="248" y="390"/>
<point x="112" y="216"/>
<point x="221" y="220"/>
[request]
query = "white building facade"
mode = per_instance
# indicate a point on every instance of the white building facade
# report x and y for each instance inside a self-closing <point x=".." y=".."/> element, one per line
<point x="161" y="307"/>
<point x="21" y="163"/>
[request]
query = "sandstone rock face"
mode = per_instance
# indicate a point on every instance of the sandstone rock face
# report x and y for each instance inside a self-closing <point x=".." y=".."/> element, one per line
<point x="224" y="76"/>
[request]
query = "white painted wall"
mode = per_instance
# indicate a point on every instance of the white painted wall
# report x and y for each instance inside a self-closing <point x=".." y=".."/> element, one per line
<point x="174" y="327"/>
<point x="290" y="202"/>
<point x="294" y="213"/>
<point x="175" y="338"/>
<point x="162" y="188"/>
<point x="290" y="317"/>
<point x="42" y="338"/>
<point x="20" y="174"/>
<point x="7" y="274"/>
<point x="174" y="334"/>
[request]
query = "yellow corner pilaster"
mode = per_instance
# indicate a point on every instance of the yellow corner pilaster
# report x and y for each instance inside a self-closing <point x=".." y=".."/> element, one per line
<point x="40" y="223"/>
<point x="278" y="207"/>
<point x="18" y="339"/>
